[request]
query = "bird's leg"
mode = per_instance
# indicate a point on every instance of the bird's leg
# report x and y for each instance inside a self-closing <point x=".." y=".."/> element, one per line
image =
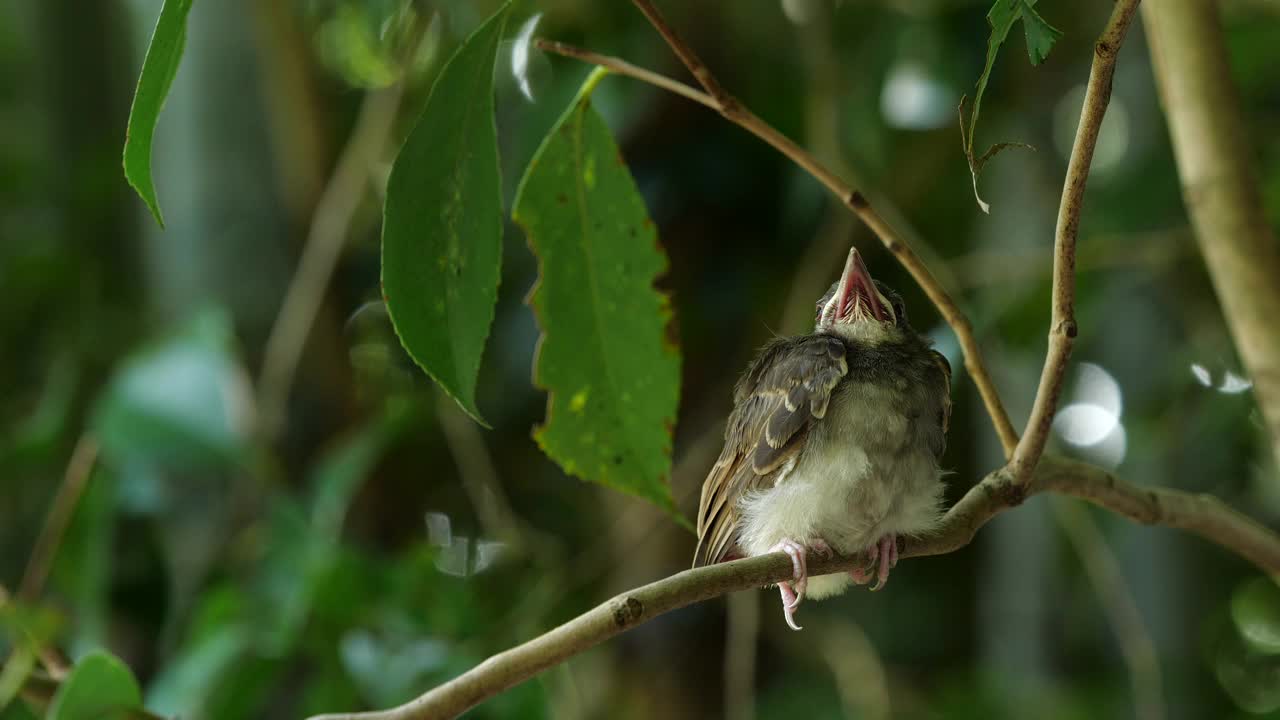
<point x="863" y="575"/>
<point x="888" y="558"/>
<point x="881" y="558"/>
<point x="793" y="594"/>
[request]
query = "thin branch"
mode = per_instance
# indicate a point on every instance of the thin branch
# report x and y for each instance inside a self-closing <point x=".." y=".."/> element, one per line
<point x="1211" y="144"/>
<point x="1103" y="571"/>
<point x="74" y="480"/>
<point x="687" y="56"/>
<point x="852" y="199"/>
<point x="1062" y="326"/>
<point x="622" y="67"/>
<point x="1203" y="515"/>
<point x="328" y="235"/>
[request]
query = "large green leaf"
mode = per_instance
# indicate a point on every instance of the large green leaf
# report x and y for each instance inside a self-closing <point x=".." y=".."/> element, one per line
<point x="161" y="64"/>
<point x="1040" y="39"/>
<point x="442" y="229"/>
<point x="605" y="357"/>
<point x="100" y="687"/>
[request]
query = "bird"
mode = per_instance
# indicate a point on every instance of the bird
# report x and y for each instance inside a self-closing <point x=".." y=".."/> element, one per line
<point x="834" y="444"/>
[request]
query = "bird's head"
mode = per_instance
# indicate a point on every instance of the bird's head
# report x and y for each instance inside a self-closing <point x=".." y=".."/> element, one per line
<point x="858" y="307"/>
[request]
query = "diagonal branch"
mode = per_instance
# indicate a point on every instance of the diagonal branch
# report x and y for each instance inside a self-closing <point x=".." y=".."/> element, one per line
<point x="685" y="52"/>
<point x="893" y="241"/>
<point x="326" y="240"/>
<point x="1062" y="326"/>
<point x="1202" y="515"/>
<point x="732" y="110"/>
<point x="74" y="481"/>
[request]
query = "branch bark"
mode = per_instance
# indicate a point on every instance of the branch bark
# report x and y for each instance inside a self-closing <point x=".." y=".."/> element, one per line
<point x="1210" y="145"/>
<point x="1062" y="326"/>
<point x="1202" y="515"/>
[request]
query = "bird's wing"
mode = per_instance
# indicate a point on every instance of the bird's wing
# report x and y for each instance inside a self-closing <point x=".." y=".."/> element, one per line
<point x="944" y="413"/>
<point x="785" y="389"/>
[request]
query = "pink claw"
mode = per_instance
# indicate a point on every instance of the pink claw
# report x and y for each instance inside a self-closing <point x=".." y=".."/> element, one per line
<point x="863" y="575"/>
<point x="888" y="557"/>
<point x="882" y="557"/>
<point x="790" y="601"/>
<point x="793" y="594"/>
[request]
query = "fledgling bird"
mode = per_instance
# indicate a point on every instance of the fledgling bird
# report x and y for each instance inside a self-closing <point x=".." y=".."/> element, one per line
<point x="833" y="444"/>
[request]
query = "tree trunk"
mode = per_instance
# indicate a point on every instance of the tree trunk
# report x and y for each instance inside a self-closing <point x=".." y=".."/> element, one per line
<point x="1189" y="58"/>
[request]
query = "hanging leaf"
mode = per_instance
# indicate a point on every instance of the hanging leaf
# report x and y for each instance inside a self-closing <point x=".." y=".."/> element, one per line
<point x="161" y="64"/>
<point x="100" y="687"/>
<point x="605" y="358"/>
<point x="1040" y="39"/>
<point x="1040" y="35"/>
<point x="442" y="229"/>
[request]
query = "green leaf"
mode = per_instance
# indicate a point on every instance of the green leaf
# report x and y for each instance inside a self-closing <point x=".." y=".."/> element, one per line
<point x="100" y="687"/>
<point x="184" y="399"/>
<point x="1255" y="609"/>
<point x="24" y="629"/>
<point x="1040" y="39"/>
<point x="184" y="685"/>
<point x="161" y="64"/>
<point x="442" y="229"/>
<point x="1040" y="35"/>
<point x="15" y="670"/>
<point x="611" y="370"/>
<point x="17" y="711"/>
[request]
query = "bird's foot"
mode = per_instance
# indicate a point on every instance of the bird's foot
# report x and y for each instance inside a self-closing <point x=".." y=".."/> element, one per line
<point x="881" y="558"/>
<point x="793" y="592"/>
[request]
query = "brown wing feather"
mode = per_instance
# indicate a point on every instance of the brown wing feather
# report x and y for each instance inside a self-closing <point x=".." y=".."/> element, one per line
<point x="945" y="367"/>
<point x="785" y="388"/>
<point x="945" y="416"/>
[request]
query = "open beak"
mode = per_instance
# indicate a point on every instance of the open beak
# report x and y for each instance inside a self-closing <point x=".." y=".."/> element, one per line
<point x="856" y="296"/>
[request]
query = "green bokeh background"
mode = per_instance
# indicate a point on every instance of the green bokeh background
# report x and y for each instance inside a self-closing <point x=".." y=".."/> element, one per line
<point x="357" y="558"/>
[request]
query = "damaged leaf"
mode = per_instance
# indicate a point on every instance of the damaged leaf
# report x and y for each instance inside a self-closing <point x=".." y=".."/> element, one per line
<point x="1040" y="39"/>
<point x="612" y="376"/>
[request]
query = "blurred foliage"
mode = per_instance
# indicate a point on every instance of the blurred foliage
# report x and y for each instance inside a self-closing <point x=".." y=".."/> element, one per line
<point x="364" y="554"/>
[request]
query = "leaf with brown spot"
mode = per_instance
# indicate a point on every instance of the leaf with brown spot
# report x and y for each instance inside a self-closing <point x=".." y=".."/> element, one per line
<point x="612" y="376"/>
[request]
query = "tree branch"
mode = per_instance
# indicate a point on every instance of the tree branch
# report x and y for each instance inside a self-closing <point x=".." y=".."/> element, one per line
<point x="1203" y="515"/>
<point x="1062" y="326"/>
<point x="1211" y="147"/>
<point x="74" y="480"/>
<point x="325" y="241"/>
<point x="732" y="110"/>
